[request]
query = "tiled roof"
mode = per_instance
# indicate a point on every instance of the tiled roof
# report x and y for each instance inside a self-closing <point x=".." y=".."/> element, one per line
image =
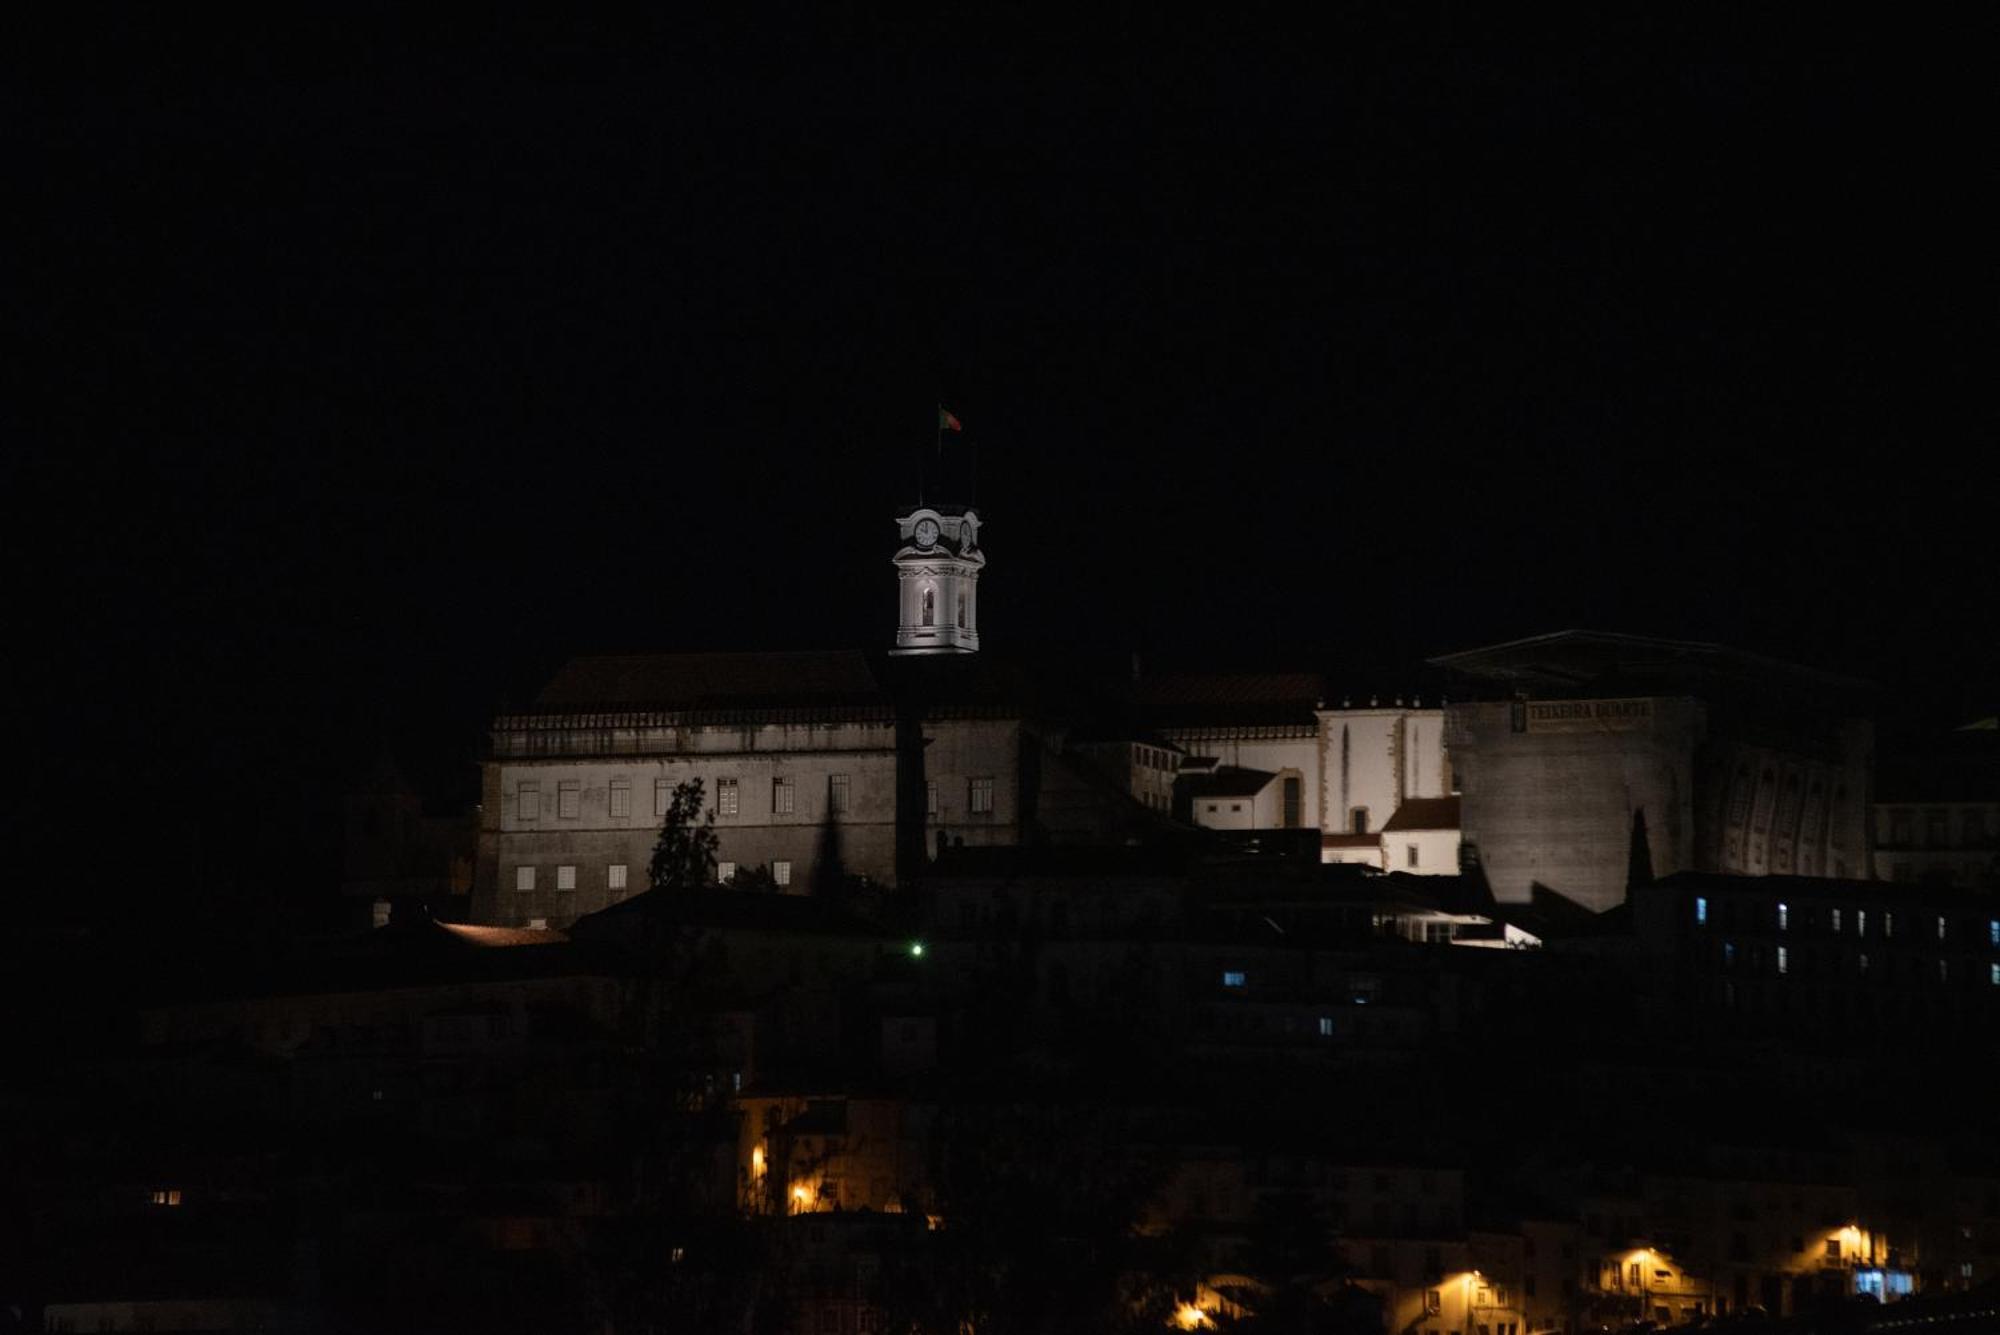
<point x="1350" y="841"/>
<point x="715" y="681"/>
<point x="1226" y="698"/>
<point x="1425" y="813"/>
<point x="1227" y="781"/>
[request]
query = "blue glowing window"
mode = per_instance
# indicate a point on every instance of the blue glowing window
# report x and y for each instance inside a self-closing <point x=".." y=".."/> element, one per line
<point x="1232" y="978"/>
<point x="1701" y="909"/>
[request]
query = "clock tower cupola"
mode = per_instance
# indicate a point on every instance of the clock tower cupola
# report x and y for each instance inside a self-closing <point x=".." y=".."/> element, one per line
<point x="937" y="581"/>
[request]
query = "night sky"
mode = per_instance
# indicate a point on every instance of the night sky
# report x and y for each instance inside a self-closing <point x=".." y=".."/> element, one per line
<point x="375" y="368"/>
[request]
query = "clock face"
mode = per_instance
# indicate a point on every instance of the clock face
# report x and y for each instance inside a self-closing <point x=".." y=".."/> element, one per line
<point x="927" y="532"/>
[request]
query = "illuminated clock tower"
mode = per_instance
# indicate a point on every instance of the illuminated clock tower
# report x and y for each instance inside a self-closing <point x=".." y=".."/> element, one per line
<point x="937" y="578"/>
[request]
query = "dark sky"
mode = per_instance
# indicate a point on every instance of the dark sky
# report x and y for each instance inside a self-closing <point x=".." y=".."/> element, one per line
<point x="376" y="367"/>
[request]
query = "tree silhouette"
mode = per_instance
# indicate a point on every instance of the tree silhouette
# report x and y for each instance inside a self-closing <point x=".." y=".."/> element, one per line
<point x="684" y="856"/>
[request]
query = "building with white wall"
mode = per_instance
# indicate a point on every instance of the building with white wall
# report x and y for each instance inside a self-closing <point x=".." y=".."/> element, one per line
<point x="1739" y="763"/>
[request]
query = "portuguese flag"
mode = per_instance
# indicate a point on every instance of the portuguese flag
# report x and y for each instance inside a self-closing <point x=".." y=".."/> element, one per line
<point x="947" y="422"/>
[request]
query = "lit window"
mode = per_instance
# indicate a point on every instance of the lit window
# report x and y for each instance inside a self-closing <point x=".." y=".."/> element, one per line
<point x="1326" y="1026"/>
<point x="614" y="876"/>
<point x="1940" y="927"/>
<point x="1944" y="971"/>
<point x="1861" y="922"/>
<point x="1888" y="923"/>
<point x="1728" y="953"/>
<point x="169" y="1196"/>
<point x="566" y="877"/>
<point x="725" y="872"/>
<point x="726" y="797"/>
<point x="528" y="804"/>
<point x="534" y="925"/>
<point x="524" y="878"/>
<point x="663" y="793"/>
<point x="1784" y="916"/>
<point x="621" y="798"/>
<point x="931" y="797"/>
<point x="981" y="793"/>
<point x="1701" y="910"/>
<point x="1995" y="978"/>
<point x="836" y="793"/>
<point x="1784" y="959"/>
<point x="1232" y="978"/>
<point x="1836" y="920"/>
<point x="781" y="872"/>
<point x="1861" y="961"/>
<point x="1993" y="931"/>
<point x="781" y="796"/>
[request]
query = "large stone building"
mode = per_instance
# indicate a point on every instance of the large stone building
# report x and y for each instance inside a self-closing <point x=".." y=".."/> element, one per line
<point x="1738" y="763"/>
<point x="814" y="764"/>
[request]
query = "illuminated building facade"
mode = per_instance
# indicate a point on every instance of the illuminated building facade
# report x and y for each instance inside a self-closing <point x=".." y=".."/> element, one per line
<point x="1739" y="764"/>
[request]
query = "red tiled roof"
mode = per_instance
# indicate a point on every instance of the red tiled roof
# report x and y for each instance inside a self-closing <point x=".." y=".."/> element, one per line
<point x="1425" y="813"/>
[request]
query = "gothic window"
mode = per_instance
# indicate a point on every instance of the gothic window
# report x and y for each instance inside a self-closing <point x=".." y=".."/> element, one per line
<point x="930" y="607"/>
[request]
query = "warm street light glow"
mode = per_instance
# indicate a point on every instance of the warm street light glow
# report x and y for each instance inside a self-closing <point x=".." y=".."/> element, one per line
<point x="1189" y="1317"/>
<point x="801" y="1194"/>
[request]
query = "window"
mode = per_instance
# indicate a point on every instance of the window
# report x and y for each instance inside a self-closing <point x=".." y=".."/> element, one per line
<point x="1944" y="971"/>
<point x="1861" y="962"/>
<point x="725" y="872"/>
<point x="1632" y="1275"/>
<point x="1412" y="855"/>
<point x="1861" y="922"/>
<point x="1357" y="821"/>
<point x="1232" y="978"/>
<point x="1433" y="1300"/>
<point x="614" y="876"/>
<point x="1728" y="954"/>
<point x="170" y="1196"/>
<point x="981" y="794"/>
<point x="534" y="925"/>
<point x="836" y="793"/>
<point x="566" y="877"/>
<point x="528" y="802"/>
<point x="663" y="793"/>
<point x="930" y="797"/>
<point x="1784" y="959"/>
<point x="1888" y="923"/>
<point x="1293" y="797"/>
<point x="1835" y="920"/>
<point x="1236" y="806"/>
<point x="1994" y="978"/>
<point x="781" y="872"/>
<point x="1701" y="910"/>
<point x="1993" y="931"/>
<point x="1940" y="927"/>
<point x="726" y="797"/>
<point x="930" y="607"/>
<point x="569" y="798"/>
<point x="621" y="798"/>
<point x="781" y="796"/>
<point x="524" y="878"/>
<point x="961" y="611"/>
<point x="1326" y="1026"/>
<point x="1833" y="1249"/>
<point x="1784" y="916"/>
